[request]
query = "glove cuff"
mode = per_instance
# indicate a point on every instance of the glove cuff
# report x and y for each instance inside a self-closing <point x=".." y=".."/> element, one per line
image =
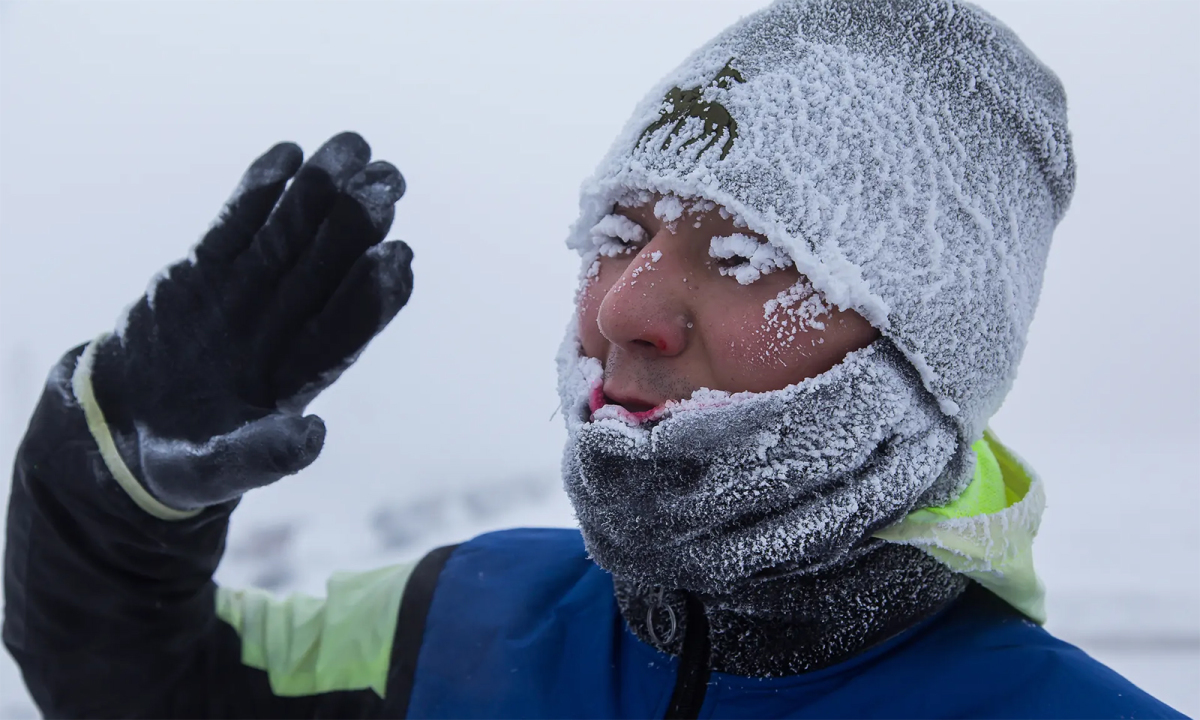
<point x="85" y="395"/>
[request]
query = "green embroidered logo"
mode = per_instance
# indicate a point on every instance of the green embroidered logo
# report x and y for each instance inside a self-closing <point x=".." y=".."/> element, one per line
<point x="680" y="105"/>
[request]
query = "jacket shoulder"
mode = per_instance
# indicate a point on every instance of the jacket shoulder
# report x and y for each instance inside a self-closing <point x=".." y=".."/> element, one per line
<point x="1008" y="666"/>
<point x="545" y="544"/>
<point x="521" y="573"/>
<point x="525" y="620"/>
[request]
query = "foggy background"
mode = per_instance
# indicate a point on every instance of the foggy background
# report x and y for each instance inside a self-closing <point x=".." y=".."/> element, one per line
<point x="123" y="127"/>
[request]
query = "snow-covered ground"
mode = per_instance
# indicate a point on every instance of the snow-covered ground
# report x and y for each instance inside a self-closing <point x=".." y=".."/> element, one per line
<point x="125" y="125"/>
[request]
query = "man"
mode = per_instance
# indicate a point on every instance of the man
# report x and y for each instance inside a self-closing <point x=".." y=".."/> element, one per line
<point x="809" y="264"/>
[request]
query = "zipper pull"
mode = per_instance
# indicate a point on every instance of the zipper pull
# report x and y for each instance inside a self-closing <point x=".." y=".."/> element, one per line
<point x="657" y="603"/>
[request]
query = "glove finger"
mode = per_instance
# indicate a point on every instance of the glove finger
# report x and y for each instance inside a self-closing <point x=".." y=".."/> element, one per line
<point x="359" y="219"/>
<point x="249" y="206"/>
<point x="374" y="290"/>
<point x="187" y="476"/>
<point x="292" y="226"/>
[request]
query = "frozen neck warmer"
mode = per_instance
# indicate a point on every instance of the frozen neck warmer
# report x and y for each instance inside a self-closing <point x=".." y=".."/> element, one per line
<point x="799" y="623"/>
<point x="724" y="490"/>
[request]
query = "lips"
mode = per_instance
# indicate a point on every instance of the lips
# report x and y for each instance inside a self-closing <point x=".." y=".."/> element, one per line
<point x="631" y="410"/>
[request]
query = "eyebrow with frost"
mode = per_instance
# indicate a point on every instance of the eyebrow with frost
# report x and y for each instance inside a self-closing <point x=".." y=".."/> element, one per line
<point x="682" y="297"/>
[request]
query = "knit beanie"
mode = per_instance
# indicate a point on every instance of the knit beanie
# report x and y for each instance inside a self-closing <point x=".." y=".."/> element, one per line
<point x="911" y="157"/>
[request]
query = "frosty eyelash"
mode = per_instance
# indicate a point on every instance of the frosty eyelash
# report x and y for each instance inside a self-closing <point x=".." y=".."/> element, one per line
<point x="747" y="258"/>
<point x="617" y="235"/>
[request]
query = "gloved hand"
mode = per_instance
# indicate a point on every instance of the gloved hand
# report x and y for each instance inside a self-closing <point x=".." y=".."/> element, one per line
<point x="204" y="382"/>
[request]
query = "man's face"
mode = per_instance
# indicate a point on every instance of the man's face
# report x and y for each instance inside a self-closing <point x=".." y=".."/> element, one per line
<point x="665" y="321"/>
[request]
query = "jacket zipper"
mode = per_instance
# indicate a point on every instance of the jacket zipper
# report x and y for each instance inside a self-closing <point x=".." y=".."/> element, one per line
<point x="691" y="683"/>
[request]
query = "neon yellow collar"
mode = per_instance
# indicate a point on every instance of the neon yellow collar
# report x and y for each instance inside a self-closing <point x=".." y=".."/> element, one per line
<point x="987" y="532"/>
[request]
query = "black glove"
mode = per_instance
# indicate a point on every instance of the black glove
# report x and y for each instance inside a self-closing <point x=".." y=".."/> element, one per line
<point x="204" y="383"/>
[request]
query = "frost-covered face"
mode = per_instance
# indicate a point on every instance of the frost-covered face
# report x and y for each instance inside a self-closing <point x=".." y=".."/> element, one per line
<point x="724" y="424"/>
<point x="683" y="299"/>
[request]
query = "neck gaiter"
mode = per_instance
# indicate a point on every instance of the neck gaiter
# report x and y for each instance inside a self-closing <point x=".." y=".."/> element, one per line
<point x="803" y="622"/>
<point x="724" y="490"/>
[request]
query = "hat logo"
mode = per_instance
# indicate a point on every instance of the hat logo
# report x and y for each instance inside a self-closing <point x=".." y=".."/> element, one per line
<point x="681" y="105"/>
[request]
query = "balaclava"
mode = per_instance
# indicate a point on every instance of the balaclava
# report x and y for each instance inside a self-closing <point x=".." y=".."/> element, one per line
<point x="912" y="159"/>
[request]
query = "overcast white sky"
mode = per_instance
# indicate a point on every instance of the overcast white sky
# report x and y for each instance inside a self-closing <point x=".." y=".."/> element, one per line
<point x="123" y="126"/>
<point x="126" y="124"/>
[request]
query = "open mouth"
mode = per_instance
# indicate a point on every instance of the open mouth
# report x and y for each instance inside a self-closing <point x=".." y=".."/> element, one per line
<point x="632" y="412"/>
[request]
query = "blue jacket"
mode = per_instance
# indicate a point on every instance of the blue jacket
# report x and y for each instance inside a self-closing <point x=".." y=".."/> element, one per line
<point x="523" y="624"/>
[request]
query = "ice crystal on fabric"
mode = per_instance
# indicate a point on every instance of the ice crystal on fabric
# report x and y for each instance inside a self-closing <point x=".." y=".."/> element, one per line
<point x="912" y="158"/>
<point x="722" y="487"/>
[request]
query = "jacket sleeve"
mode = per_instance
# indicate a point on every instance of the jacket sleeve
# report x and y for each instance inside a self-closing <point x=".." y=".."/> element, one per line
<point x="111" y="611"/>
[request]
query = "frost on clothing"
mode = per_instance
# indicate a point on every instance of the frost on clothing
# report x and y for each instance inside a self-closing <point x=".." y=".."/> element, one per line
<point x="792" y="624"/>
<point x="720" y="489"/>
<point x="911" y="157"/>
<point x="199" y="395"/>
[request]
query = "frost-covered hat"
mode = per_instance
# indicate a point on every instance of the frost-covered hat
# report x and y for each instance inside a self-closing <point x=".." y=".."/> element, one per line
<point x="911" y="156"/>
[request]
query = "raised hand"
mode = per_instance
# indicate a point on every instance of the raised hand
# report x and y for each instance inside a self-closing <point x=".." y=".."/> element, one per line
<point x="205" y="380"/>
